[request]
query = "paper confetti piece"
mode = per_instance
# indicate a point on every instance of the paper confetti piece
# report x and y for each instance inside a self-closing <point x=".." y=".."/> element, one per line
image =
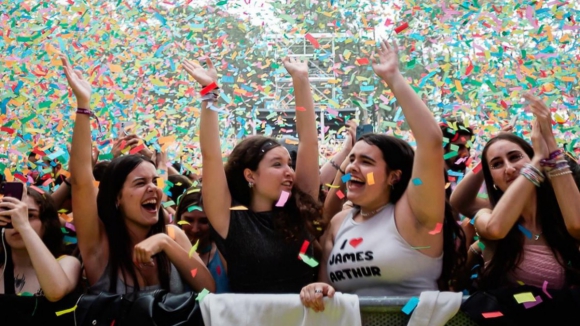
<point x="345" y="178"/>
<point x="182" y="222"/>
<point x="494" y="314"/>
<point x="437" y="229"/>
<point x="332" y="186"/>
<point x="529" y="305"/>
<point x="401" y="27"/>
<point x="340" y="194"/>
<point x="308" y="260"/>
<point x="525" y="231"/>
<point x="417" y="182"/>
<point x="362" y="61"/>
<point x="477" y="168"/>
<point x="545" y="289"/>
<point x="238" y="208"/>
<point x="410" y="305"/>
<point x="283" y="199"/>
<point x="201" y="295"/>
<point x="208" y="88"/>
<point x="193" y="248"/>
<point x="171" y="233"/>
<point x="194" y="208"/>
<point x="304" y="247"/>
<point x="66" y="311"/>
<point x="194" y="272"/>
<point x="524" y="297"/>
<point x="370" y="178"/>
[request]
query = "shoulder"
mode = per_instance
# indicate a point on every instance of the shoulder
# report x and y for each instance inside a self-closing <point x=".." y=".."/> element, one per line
<point x="338" y="219"/>
<point x="66" y="260"/>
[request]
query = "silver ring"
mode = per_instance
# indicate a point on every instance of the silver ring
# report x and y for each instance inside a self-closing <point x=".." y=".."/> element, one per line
<point x="317" y="291"/>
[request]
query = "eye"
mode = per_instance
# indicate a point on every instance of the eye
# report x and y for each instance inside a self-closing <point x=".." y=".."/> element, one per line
<point x="277" y="164"/>
<point x="516" y="157"/>
<point x="495" y="165"/>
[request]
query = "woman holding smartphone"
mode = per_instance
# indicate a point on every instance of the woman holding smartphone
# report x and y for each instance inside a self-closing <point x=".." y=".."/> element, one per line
<point x="32" y="261"/>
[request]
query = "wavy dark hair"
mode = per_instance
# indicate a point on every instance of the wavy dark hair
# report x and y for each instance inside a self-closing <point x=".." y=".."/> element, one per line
<point x="247" y="155"/>
<point x="120" y="247"/>
<point x="399" y="155"/>
<point x="508" y="251"/>
<point x="48" y="215"/>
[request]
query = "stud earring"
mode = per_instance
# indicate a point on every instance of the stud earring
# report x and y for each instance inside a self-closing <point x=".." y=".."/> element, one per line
<point x="251" y="184"/>
<point x="494" y="186"/>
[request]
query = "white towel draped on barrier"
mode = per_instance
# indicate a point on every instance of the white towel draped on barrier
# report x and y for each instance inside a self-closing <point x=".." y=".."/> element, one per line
<point x="278" y="309"/>
<point x="435" y="308"/>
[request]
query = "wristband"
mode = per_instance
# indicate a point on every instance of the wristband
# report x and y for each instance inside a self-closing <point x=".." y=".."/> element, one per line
<point x="336" y="166"/>
<point x="208" y="88"/>
<point x="90" y="114"/>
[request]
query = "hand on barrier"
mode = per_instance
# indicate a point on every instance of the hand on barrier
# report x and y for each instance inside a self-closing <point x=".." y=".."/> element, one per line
<point x="312" y="294"/>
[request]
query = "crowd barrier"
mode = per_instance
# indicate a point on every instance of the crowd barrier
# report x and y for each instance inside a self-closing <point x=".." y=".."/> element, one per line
<point x="386" y="311"/>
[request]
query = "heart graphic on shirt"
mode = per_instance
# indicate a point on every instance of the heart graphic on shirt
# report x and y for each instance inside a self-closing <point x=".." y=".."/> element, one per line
<point x="355" y="242"/>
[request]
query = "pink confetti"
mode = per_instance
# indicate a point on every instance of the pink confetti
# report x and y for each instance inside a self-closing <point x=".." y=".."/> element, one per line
<point x="545" y="289"/>
<point x="529" y="305"/>
<point x="283" y="199"/>
<point x="437" y="229"/>
<point x="494" y="314"/>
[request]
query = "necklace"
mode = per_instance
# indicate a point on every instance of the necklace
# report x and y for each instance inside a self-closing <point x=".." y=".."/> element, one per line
<point x="373" y="212"/>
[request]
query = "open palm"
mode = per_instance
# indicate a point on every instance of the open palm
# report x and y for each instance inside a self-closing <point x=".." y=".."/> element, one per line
<point x="388" y="61"/>
<point x="80" y="86"/>
<point x="200" y="74"/>
<point x="295" y="66"/>
<point x="543" y="116"/>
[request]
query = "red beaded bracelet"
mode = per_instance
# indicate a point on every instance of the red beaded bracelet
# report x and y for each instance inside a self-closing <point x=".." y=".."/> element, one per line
<point x="90" y="114"/>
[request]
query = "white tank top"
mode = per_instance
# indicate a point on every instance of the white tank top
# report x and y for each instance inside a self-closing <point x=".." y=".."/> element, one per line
<point x="373" y="259"/>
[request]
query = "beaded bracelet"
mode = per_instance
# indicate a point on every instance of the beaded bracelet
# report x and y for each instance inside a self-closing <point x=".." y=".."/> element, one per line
<point x="554" y="175"/>
<point x="532" y="174"/>
<point x="90" y="114"/>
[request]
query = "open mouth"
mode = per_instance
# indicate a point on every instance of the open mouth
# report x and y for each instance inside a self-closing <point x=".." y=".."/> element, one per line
<point x="355" y="182"/>
<point x="150" y="205"/>
<point x="287" y="183"/>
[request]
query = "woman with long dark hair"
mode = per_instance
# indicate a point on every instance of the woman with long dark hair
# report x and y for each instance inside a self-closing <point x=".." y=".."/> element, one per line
<point x="121" y="232"/>
<point x="400" y="238"/>
<point x="532" y="232"/>
<point x="33" y="259"/>
<point x="261" y="241"/>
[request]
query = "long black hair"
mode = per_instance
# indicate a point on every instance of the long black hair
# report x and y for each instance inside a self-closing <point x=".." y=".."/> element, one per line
<point x="120" y="248"/>
<point x="247" y="155"/>
<point x="508" y="251"/>
<point x="399" y="155"/>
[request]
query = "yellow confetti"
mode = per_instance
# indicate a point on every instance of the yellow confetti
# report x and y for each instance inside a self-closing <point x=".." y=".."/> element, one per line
<point x="66" y="311"/>
<point x="370" y="178"/>
<point x="193" y="248"/>
<point x="183" y="222"/>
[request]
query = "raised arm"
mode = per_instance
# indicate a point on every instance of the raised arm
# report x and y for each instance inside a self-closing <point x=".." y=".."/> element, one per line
<point x="495" y="224"/>
<point x="329" y="169"/>
<point x="92" y="240"/>
<point x="215" y="185"/>
<point x="426" y="193"/>
<point x="464" y="198"/>
<point x="562" y="181"/>
<point x="307" y="168"/>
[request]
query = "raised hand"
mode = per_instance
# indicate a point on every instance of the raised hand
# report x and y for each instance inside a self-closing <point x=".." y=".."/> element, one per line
<point x="295" y="66"/>
<point x="14" y="211"/>
<point x="350" y="138"/>
<point x="538" y="143"/>
<point x="388" y="61"/>
<point x="544" y="118"/>
<point x="80" y="86"/>
<point x="204" y="76"/>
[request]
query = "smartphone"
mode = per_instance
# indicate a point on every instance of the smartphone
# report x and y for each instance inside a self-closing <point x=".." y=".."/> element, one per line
<point x="14" y="190"/>
<point x="363" y="130"/>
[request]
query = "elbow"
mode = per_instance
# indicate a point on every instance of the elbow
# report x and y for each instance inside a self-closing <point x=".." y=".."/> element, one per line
<point x="56" y="295"/>
<point x="494" y="233"/>
<point x="574" y="229"/>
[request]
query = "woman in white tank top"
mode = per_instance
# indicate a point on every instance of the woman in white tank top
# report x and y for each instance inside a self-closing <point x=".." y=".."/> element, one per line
<point x="392" y="241"/>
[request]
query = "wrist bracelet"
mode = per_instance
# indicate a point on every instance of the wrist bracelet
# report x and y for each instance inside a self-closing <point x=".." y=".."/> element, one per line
<point x="208" y="88"/>
<point x="90" y="114"/>
<point x="209" y="97"/>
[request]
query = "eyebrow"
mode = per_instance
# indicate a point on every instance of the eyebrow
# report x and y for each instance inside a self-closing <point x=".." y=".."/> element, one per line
<point x="510" y="152"/>
<point x="364" y="157"/>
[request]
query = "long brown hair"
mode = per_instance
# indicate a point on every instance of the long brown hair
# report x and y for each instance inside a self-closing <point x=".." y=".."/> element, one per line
<point x="247" y="155"/>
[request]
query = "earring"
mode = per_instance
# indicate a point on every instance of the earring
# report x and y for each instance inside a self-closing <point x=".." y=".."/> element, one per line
<point x="392" y="186"/>
<point x="251" y="184"/>
<point x="494" y="186"/>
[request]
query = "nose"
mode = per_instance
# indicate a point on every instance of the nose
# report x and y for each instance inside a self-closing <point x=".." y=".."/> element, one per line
<point x="510" y="169"/>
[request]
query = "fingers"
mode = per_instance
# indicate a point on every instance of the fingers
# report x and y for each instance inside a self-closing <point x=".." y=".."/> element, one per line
<point x="209" y="63"/>
<point x="330" y="291"/>
<point x="4" y="221"/>
<point x="395" y="46"/>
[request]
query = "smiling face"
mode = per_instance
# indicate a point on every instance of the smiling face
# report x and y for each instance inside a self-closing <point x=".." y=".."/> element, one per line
<point x="13" y="238"/>
<point x="140" y="198"/>
<point x="198" y="227"/>
<point x="505" y="160"/>
<point x="364" y="160"/>
<point x="273" y="175"/>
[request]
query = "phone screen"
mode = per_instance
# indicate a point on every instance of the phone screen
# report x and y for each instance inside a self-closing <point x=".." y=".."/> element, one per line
<point x="363" y="130"/>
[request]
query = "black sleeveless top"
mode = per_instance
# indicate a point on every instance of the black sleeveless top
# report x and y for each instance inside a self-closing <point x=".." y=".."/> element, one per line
<point x="260" y="259"/>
